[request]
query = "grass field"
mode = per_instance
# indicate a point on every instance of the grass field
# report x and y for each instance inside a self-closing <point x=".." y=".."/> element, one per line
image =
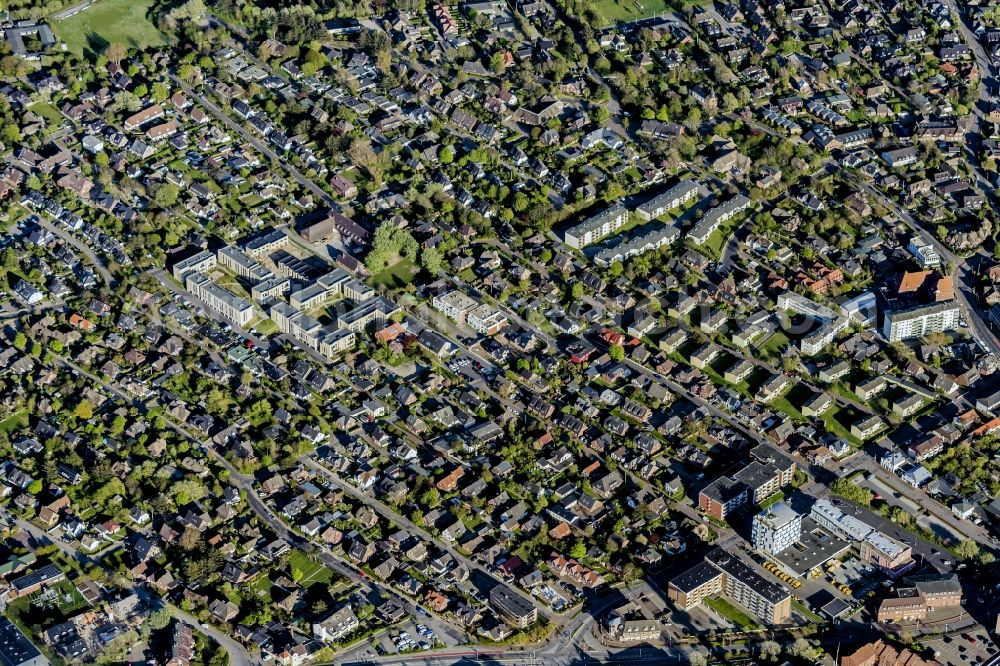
<point x="628" y="10"/>
<point x="109" y="21"/>
<point x="51" y="114"/>
<point x="305" y="572"/>
<point x="774" y="344"/>
<point x="731" y="613"/>
<point x="833" y="420"/>
<point x="398" y="275"/>
<point x="15" y="422"/>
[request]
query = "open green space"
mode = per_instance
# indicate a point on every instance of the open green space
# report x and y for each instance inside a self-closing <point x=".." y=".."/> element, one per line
<point x="832" y="420"/>
<point x="14" y="422"/>
<point x="774" y="344"/>
<point x="305" y="572"/>
<point x="398" y="275"/>
<point x="265" y="327"/>
<point x="731" y="613"/>
<point x="612" y="11"/>
<point x="108" y="21"/>
<point x="51" y="115"/>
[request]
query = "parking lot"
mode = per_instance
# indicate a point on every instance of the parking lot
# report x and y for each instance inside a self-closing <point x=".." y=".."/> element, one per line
<point x="958" y="650"/>
<point x="411" y="637"/>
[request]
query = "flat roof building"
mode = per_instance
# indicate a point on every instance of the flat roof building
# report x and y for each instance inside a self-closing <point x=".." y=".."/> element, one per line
<point x="513" y="608"/>
<point x="724" y="573"/>
<point x="596" y="227"/>
<point x="776" y="528"/>
<point x="196" y="263"/>
<point x="721" y="497"/>
<point x="223" y="301"/>
<point x="830" y="518"/>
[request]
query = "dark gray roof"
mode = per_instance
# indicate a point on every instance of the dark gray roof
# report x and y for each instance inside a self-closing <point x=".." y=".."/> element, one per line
<point x="695" y="577"/>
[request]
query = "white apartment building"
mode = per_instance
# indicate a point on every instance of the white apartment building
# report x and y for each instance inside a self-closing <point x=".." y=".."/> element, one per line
<point x="923" y="251"/>
<point x="239" y="263"/>
<point x="920" y="321"/>
<point x="676" y="196"/>
<point x="776" y="528"/>
<point x="325" y="340"/>
<point x="226" y="303"/>
<point x="597" y="227"/>
<point x="196" y="263"/>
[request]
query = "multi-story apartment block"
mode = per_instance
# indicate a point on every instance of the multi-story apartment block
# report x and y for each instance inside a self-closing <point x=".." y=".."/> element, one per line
<point x="776" y="528"/>
<point x="921" y="320"/>
<point x="597" y="227"/>
<point x="886" y="553"/>
<point x="721" y="497"/>
<point x="244" y="266"/>
<point x="223" y="301"/>
<point x="196" y="263"/>
<point x="324" y="340"/>
<point x="724" y="573"/>
<point x="714" y="218"/>
<point x="513" y="608"/>
<point x="676" y="196"/>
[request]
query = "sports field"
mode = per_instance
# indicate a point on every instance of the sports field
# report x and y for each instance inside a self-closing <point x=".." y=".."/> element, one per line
<point x="108" y="21"/>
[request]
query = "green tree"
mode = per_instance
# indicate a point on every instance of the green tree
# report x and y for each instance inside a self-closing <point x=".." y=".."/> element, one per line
<point x="849" y="490"/>
<point x="431" y="497"/>
<point x="769" y="650"/>
<point x="116" y="52"/>
<point x="967" y="549"/>
<point x="617" y="353"/>
<point x="10" y="261"/>
<point x="160" y="92"/>
<point x="430" y="260"/>
<point x="83" y="410"/>
<point x="165" y="195"/>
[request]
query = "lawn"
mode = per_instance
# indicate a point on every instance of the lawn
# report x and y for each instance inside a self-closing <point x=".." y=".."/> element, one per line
<point x="265" y="327"/>
<point x="731" y="613"/>
<point x="834" y="425"/>
<point x="774" y="344"/>
<point x="398" y="275"/>
<point x="14" y="422"/>
<point x="613" y="11"/>
<point x="107" y="21"/>
<point x="51" y="114"/>
<point x="305" y="572"/>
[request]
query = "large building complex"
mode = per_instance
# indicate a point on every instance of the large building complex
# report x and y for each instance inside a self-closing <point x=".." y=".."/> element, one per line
<point x="657" y="237"/>
<point x="874" y="547"/>
<point x="776" y="528"/>
<point x="243" y="265"/>
<point x="229" y="305"/>
<point x="919" y="596"/>
<point x="678" y="195"/>
<point x="725" y="573"/>
<point x="917" y="305"/>
<point x="482" y="318"/>
<point x="828" y="322"/>
<point x="714" y="218"/>
<point x="597" y="227"/>
<point x="196" y="263"/>
<point x="323" y="339"/>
